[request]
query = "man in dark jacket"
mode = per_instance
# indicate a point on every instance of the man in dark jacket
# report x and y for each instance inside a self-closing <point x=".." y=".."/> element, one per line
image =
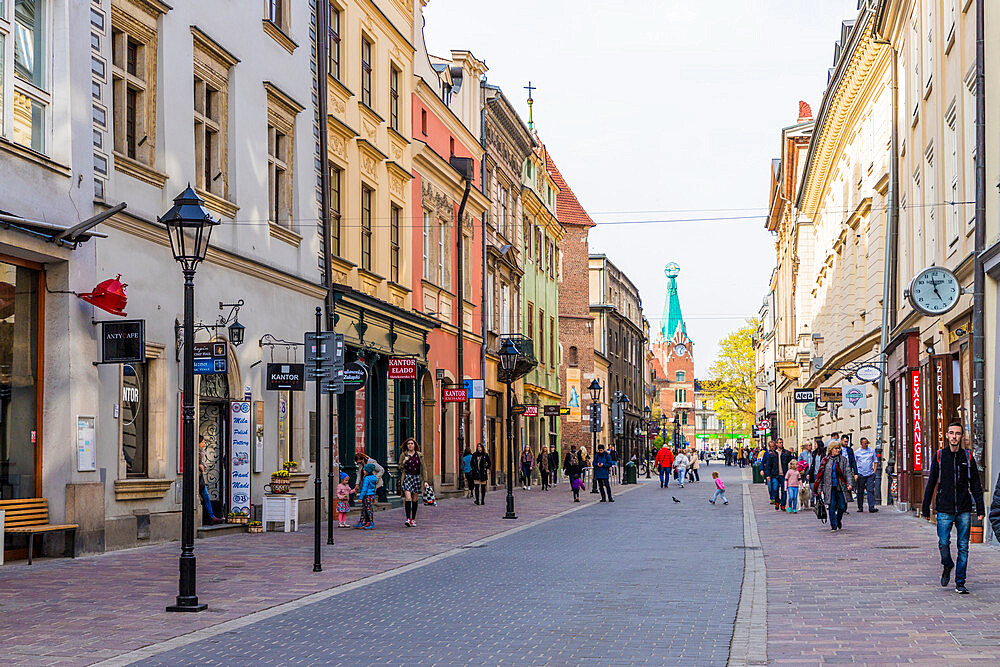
<point x="955" y="476"/>
<point x="774" y="470"/>
<point x="554" y="466"/>
<point x="602" y="471"/>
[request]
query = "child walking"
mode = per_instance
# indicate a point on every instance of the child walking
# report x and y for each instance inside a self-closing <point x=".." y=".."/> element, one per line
<point x="720" y="490"/>
<point x="792" y="478"/>
<point x="367" y="497"/>
<point x="344" y="491"/>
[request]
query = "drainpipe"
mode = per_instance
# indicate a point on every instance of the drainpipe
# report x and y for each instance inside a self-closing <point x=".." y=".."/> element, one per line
<point x="465" y="167"/>
<point x="979" y="280"/>
<point x="483" y="309"/>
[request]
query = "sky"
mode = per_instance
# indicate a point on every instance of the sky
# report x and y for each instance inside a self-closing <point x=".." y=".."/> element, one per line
<point x="663" y="111"/>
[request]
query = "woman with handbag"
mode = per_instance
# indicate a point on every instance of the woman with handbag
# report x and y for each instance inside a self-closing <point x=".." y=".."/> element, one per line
<point x="834" y="480"/>
<point x="527" y="463"/>
<point x="411" y="465"/>
<point x="573" y="465"/>
<point x="481" y="465"/>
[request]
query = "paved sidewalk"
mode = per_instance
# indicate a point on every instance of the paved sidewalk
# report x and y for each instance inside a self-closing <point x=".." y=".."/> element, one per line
<point x="64" y="611"/>
<point x="871" y="592"/>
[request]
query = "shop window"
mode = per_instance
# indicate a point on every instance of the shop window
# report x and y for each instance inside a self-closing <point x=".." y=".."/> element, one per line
<point x="135" y="419"/>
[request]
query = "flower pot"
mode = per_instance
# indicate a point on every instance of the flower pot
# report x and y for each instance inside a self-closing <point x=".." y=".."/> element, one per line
<point x="278" y="485"/>
<point x="255" y="529"/>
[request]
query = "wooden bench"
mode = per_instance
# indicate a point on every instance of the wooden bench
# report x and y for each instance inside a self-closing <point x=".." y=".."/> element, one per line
<point x="28" y="516"/>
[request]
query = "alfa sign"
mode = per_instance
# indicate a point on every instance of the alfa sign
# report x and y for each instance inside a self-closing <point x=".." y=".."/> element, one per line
<point x="805" y="395"/>
<point x="402" y="369"/>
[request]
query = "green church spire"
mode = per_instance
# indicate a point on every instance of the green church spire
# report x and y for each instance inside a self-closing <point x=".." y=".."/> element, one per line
<point x="672" y="319"/>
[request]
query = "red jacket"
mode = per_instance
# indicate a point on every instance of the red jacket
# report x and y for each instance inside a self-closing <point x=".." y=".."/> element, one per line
<point x="664" y="458"/>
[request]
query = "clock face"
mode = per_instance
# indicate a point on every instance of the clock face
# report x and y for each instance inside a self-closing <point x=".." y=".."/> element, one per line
<point x="934" y="291"/>
<point x="680" y="349"/>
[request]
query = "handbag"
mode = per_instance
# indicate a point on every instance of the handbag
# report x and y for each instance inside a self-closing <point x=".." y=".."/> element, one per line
<point x="820" y="510"/>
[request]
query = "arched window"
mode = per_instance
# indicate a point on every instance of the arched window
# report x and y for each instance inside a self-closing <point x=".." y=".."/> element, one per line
<point x="572" y="356"/>
<point x="680" y="376"/>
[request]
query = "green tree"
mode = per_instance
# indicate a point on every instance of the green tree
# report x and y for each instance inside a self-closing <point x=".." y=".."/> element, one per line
<point x="731" y="383"/>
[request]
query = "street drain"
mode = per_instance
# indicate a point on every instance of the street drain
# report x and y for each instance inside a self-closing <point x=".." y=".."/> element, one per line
<point x="974" y="638"/>
<point x="472" y="546"/>
<point x="742" y="546"/>
<point x="898" y="546"/>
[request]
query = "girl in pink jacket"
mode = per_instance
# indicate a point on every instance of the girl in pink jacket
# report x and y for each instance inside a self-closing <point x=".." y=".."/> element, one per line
<point x="720" y="490"/>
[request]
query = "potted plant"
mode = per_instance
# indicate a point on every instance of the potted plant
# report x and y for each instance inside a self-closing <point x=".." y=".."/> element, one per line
<point x="280" y="482"/>
<point x="237" y="517"/>
<point x="255" y="527"/>
<point x="291" y="466"/>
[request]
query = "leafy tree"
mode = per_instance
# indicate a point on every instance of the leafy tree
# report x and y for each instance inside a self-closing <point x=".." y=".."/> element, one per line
<point x="732" y="377"/>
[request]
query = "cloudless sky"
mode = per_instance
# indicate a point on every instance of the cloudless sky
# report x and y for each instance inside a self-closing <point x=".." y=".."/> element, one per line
<point x="662" y="110"/>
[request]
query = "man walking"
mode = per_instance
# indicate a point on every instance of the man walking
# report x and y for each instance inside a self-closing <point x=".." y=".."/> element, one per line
<point x="664" y="461"/>
<point x="865" y="459"/>
<point x="602" y="471"/>
<point x="729" y="455"/>
<point x="775" y="469"/>
<point x="955" y="477"/>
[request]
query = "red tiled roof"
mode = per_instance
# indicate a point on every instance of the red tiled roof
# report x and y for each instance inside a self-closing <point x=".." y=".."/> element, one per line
<point x="568" y="207"/>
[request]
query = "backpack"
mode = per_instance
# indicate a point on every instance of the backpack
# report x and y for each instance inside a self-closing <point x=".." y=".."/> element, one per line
<point x="572" y="460"/>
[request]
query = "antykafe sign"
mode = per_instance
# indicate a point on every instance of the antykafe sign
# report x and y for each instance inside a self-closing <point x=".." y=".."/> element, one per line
<point x="285" y="377"/>
<point x="805" y="395"/>
<point x="239" y="464"/>
<point x="123" y="341"/>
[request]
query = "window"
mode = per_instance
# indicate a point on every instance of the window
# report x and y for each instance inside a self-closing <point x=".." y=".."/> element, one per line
<point x="30" y="99"/>
<point x="467" y="265"/>
<point x="505" y="312"/>
<point x="541" y="337"/>
<point x="930" y="201"/>
<point x="394" y="98"/>
<point x="680" y="376"/>
<point x="336" y="206"/>
<point x="504" y="211"/>
<point x="132" y="71"/>
<point x="366" y="228"/>
<point x="684" y="418"/>
<point x="211" y="114"/>
<point x="573" y="356"/>
<point x="394" y="214"/>
<point x="969" y="150"/>
<point x="278" y="184"/>
<point x="427" y="245"/>
<point x="423" y="122"/>
<point x="552" y="342"/>
<point x="914" y="78"/>
<point x="538" y="247"/>
<point x="527" y="239"/>
<point x="928" y="52"/>
<point x="442" y="248"/>
<point x="334" y="40"/>
<point x="491" y="323"/>
<point x="134" y="418"/>
<point x="951" y="176"/>
<point x="530" y="331"/>
<point x="276" y="13"/>
<point x="366" y="72"/>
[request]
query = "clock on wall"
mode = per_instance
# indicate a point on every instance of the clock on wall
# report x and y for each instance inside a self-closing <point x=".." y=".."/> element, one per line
<point x="680" y="349"/>
<point x="934" y="291"/>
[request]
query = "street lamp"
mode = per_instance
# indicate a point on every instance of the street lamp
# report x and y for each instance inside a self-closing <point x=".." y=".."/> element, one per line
<point x="648" y="413"/>
<point x="508" y="363"/>
<point x="189" y="226"/>
<point x="595" y="399"/>
<point x="624" y="401"/>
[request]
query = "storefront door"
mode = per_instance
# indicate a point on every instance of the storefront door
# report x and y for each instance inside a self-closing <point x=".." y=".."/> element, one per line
<point x="213" y="425"/>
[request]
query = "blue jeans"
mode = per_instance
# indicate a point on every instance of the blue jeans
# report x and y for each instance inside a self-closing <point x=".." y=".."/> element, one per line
<point x="793" y="499"/>
<point x="774" y="490"/>
<point x="681" y="472"/>
<point x="838" y="503"/>
<point x="206" y="502"/>
<point x="665" y="477"/>
<point x="866" y="484"/>
<point x="719" y="492"/>
<point x="962" y="522"/>
<point x="525" y="474"/>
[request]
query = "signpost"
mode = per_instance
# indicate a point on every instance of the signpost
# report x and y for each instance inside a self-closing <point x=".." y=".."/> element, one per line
<point x="239" y="463"/>
<point x="595" y="418"/>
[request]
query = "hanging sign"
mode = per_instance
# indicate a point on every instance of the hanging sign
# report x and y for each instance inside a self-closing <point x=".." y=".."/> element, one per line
<point x="810" y="410"/>
<point x="805" y="395"/>
<point x="517" y="409"/>
<point x="210" y="358"/>
<point x="855" y="396"/>
<point x="551" y="410"/>
<point x="831" y="394"/>
<point x="868" y="373"/>
<point x="790" y="423"/>
<point x="355" y="376"/>
<point x="123" y="341"/>
<point x="402" y="369"/>
<point x="239" y="462"/>
<point x="453" y="394"/>
<point x="915" y="403"/>
<point x="475" y="388"/>
<point x="285" y="377"/>
<point x="531" y="411"/>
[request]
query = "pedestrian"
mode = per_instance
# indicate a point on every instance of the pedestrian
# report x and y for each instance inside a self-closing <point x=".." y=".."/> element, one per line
<point x="467" y="470"/>
<point x="614" y="462"/>
<point x="792" y="478"/>
<point x="720" y="490"/>
<point x="553" y="466"/>
<point x="573" y="466"/>
<point x="362" y="459"/>
<point x="367" y="497"/>
<point x="602" y="471"/>
<point x="206" y="499"/>
<point x="765" y="456"/>
<point x="543" y="467"/>
<point x="411" y="465"/>
<point x="955" y="477"/>
<point x="835" y="482"/>
<point x="664" y="462"/>
<point x="481" y="465"/>
<point x="865" y="460"/>
<point x="527" y="463"/>
<point x="728" y="451"/>
<point x="695" y="463"/>
<point x="585" y="462"/>
<point x="344" y="491"/>
<point x="680" y="466"/>
<point x="778" y="463"/>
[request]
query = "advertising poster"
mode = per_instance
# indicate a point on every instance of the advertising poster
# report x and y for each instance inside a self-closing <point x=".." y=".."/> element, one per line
<point x="239" y="466"/>
<point x="573" y="394"/>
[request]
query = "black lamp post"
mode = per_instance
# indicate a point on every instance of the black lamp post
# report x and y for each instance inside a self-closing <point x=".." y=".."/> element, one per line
<point x="508" y="363"/>
<point x="648" y="413"/>
<point x="595" y="398"/>
<point x="624" y="434"/>
<point x="189" y="225"/>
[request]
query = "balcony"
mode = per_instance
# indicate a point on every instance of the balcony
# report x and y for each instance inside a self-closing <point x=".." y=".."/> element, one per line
<point x="526" y="356"/>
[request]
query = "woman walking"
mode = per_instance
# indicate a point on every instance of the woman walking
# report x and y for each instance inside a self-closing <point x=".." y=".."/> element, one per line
<point x="833" y="480"/>
<point x="527" y="463"/>
<point x="695" y="462"/>
<point x="543" y="467"/>
<point x="481" y="465"/>
<point x="411" y="465"/>
<point x="573" y="465"/>
<point x="467" y="470"/>
<point x="680" y="466"/>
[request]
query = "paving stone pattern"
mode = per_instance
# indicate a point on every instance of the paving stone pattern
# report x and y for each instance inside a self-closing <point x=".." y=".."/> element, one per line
<point x="844" y="597"/>
<point x="641" y="581"/>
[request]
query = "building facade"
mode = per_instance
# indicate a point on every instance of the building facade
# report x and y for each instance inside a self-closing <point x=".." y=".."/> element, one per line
<point x="673" y="365"/>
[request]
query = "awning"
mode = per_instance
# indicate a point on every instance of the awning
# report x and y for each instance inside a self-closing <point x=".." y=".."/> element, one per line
<point x="53" y="233"/>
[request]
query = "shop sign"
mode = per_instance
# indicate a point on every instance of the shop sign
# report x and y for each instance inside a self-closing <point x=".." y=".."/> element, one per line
<point x="915" y="403"/>
<point x="810" y="410"/>
<point x="805" y="395"/>
<point x="551" y="410"/>
<point x="239" y="463"/>
<point x="285" y="377"/>
<point x="855" y="397"/>
<point x="210" y="358"/>
<point x="402" y="368"/>
<point x="210" y="366"/>
<point x="531" y="411"/>
<point x="517" y="409"/>
<point x="355" y="376"/>
<point x="454" y="395"/>
<point x="123" y="341"/>
<point x="831" y="394"/>
<point x="790" y="423"/>
<point x="475" y="388"/>
<point x="942" y="427"/>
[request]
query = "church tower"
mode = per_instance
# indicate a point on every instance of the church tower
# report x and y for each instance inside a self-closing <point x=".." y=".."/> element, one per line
<point x="673" y="364"/>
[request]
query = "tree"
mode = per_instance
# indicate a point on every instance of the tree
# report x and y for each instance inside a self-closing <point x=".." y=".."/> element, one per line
<point x="732" y="377"/>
